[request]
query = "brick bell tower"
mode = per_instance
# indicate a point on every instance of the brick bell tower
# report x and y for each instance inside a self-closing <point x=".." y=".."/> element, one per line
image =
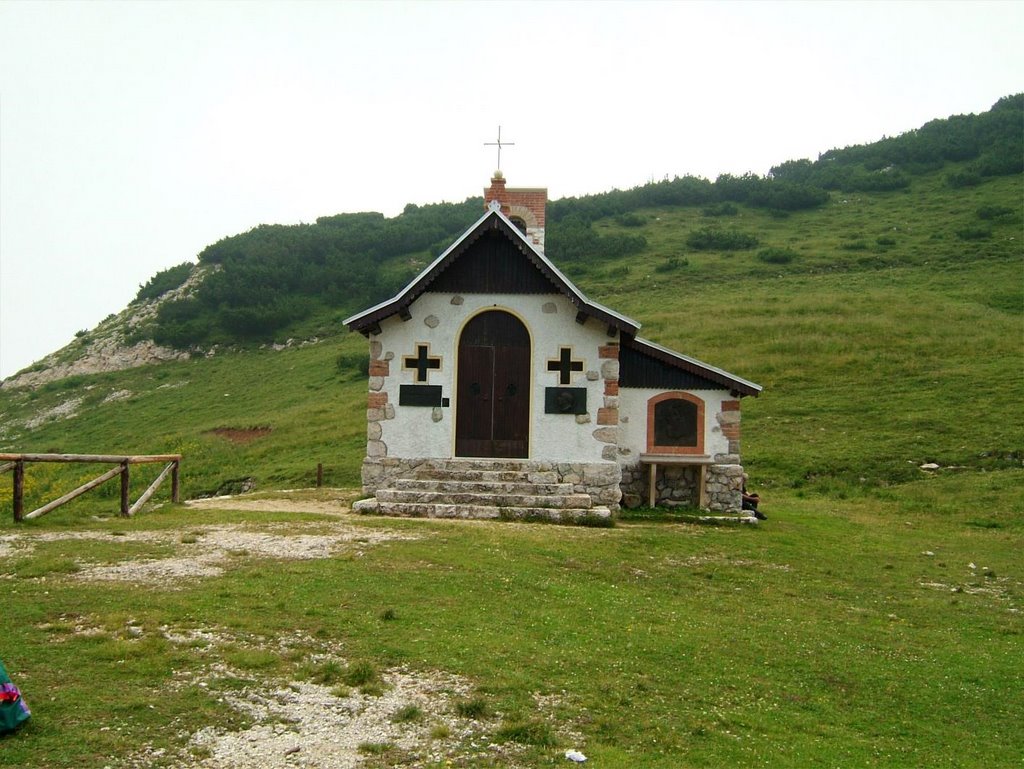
<point x="523" y="205"/>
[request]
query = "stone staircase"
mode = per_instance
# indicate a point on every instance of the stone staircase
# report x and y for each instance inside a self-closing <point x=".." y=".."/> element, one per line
<point x="490" y="489"/>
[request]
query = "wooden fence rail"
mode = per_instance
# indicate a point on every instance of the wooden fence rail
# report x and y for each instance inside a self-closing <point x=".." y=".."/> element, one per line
<point x="16" y="462"/>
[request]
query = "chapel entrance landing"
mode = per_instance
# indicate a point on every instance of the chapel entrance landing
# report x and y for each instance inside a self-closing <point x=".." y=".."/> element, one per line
<point x="493" y="390"/>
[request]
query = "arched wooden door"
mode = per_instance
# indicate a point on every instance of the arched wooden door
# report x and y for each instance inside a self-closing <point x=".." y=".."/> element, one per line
<point x="493" y="392"/>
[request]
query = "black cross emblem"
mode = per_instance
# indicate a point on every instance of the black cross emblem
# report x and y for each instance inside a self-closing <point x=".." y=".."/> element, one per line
<point x="422" y="362"/>
<point x="565" y="365"/>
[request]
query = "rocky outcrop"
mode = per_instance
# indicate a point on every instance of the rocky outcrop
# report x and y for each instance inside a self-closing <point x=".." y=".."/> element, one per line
<point x="106" y="347"/>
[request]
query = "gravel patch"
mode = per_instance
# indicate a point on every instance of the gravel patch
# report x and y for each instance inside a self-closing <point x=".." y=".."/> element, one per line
<point x="306" y="725"/>
<point x="206" y="551"/>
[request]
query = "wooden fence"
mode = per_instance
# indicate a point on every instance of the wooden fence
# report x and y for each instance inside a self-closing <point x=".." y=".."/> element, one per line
<point x="17" y="462"/>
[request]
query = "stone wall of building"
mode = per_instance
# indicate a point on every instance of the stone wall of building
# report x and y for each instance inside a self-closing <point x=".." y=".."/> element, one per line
<point x="680" y="484"/>
<point x="724" y="484"/>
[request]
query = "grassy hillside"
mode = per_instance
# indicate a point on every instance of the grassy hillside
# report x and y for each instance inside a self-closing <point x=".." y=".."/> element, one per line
<point x="873" y="620"/>
<point x="887" y="331"/>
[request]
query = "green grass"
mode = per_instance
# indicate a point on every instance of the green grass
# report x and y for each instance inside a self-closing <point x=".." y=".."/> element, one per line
<point x="826" y="636"/>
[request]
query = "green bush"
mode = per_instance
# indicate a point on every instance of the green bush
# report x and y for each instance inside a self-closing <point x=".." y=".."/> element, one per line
<point x="720" y="209"/>
<point x="993" y="212"/>
<point x="974" y="232"/>
<point x="776" y="255"/>
<point x="960" y="179"/>
<point x="630" y="220"/>
<point x="164" y="281"/>
<point x="712" y="238"/>
<point x="348" y="364"/>
<point x="672" y="264"/>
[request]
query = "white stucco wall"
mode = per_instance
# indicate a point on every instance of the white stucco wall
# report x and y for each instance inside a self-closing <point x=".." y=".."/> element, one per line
<point x="633" y="419"/>
<point x="437" y="322"/>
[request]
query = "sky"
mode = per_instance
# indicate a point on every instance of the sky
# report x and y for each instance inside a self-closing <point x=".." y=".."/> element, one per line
<point x="134" y="134"/>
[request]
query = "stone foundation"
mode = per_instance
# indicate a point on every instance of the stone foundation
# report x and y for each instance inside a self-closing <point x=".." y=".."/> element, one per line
<point x="599" y="480"/>
<point x="679" y="484"/>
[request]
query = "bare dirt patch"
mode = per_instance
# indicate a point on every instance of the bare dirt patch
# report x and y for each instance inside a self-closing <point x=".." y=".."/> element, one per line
<point x="241" y="434"/>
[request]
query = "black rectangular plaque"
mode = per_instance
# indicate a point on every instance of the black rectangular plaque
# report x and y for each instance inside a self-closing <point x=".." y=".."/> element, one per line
<point x="419" y="395"/>
<point x="565" y="400"/>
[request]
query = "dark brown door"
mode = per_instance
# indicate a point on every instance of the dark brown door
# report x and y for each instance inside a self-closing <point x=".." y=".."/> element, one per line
<point x="493" y="393"/>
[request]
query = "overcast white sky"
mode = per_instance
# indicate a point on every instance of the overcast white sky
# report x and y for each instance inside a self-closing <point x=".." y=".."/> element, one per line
<point x="133" y="134"/>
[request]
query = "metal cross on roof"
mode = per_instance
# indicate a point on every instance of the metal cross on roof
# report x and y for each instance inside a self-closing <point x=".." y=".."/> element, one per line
<point x="499" y="144"/>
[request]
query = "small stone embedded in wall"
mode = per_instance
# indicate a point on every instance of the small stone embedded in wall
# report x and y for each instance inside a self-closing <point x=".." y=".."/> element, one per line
<point x="376" y="449"/>
<point x="373" y="431"/>
<point x="376" y="382"/>
<point x="376" y="348"/>
<point x="582" y="419"/>
<point x="389" y="355"/>
<point x="609" y="453"/>
<point x="437" y="414"/>
<point x="549" y="308"/>
<point x="593" y="376"/>
<point x="610" y="369"/>
<point x="431" y="321"/>
<point x="375" y="415"/>
<point x="457" y="300"/>
<point x="611" y="402"/>
<point x="607" y="434"/>
<point x="389" y="411"/>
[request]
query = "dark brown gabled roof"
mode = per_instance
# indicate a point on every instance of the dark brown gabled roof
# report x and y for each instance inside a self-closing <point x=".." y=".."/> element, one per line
<point x="643" y="363"/>
<point x="368" y="320"/>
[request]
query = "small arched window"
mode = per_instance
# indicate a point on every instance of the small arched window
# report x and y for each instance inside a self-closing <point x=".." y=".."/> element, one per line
<point x="675" y="424"/>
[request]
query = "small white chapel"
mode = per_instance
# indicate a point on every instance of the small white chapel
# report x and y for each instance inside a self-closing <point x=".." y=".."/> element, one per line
<point x="497" y="389"/>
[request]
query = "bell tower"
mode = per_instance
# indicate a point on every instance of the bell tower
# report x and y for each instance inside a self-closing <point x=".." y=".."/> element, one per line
<point x="523" y="205"/>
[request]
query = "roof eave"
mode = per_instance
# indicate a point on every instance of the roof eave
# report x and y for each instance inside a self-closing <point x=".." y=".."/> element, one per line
<point x="734" y="383"/>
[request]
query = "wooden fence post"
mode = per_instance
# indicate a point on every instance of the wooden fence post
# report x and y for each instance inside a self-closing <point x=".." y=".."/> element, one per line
<point x="19" y="490"/>
<point x="125" y="505"/>
<point x="175" y="493"/>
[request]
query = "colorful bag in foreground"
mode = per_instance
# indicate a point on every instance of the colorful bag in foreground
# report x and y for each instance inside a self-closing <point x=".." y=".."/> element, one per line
<point x="13" y="710"/>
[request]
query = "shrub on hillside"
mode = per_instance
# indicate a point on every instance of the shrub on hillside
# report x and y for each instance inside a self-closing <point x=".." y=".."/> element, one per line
<point x="164" y="281"/>
<point x="672" y="264"/>
<point x="573" y="240"/>
<point x="776" y="255"/>
<point x="960" y="179"/>
<point x="630" y="220"/>
<point x="714" y="239"/>
<point x="974" y="232"/>
<point x="993" y="212"/>
<point x="720" y="209"/>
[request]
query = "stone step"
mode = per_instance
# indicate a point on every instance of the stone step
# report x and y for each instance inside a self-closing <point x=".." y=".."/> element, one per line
<point x="423" y="473"/>
<point x="460" y="465"/>
<point x="483" y="487"/>
<point x="486" y="498"/>
<point x="554" y="515"/>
